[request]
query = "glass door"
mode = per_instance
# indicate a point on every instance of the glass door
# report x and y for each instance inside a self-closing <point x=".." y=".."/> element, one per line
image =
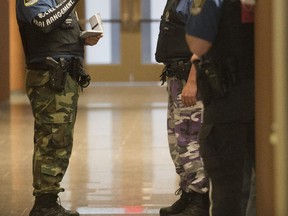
<point x="126" y="52"/>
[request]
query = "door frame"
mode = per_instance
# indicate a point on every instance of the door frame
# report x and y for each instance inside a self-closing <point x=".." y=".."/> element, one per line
<point x="279" y="135"/>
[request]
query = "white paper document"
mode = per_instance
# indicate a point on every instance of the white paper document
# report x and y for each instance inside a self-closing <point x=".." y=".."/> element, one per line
<point x="96" y="27"/>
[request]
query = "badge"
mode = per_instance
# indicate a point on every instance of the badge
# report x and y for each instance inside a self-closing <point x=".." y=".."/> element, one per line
<point x="196" y="7"/>
<point x="28" y="3"/>
<point x="167" y="15"/>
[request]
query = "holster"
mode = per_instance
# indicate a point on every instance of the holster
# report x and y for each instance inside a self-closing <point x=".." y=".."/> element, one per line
<point x="212" y="81"/>
<point x="58" y="71"/>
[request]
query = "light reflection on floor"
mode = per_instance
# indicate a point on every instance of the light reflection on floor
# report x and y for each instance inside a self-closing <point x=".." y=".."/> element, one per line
<point x="128" y="210"/>
<point x="120" y="163"/>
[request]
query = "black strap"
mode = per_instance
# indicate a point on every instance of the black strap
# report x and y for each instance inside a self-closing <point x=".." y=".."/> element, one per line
<point x="170" y="4"/>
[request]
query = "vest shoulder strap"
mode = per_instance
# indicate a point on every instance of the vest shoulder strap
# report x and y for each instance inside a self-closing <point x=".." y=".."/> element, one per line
<point x="170" y="4"/>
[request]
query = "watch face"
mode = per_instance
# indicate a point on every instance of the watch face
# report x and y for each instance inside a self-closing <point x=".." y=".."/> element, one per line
<point x="28" y="3"/>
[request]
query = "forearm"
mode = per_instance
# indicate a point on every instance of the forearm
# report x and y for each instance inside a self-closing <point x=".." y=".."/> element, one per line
<point x="192" y="74"/>
<point x="54" y="17"/>
<point x="189" y="91"/>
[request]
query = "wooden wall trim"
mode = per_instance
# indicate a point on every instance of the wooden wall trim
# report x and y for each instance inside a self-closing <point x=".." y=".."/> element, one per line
<point x="264" y="109"/>
<point x="280" y="104"/>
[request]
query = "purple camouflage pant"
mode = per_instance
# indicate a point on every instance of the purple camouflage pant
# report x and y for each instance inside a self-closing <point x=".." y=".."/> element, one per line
<point x="183" y="126"/>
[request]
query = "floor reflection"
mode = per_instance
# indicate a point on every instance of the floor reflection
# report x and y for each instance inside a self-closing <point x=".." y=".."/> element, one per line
<point x="120" y="163"/>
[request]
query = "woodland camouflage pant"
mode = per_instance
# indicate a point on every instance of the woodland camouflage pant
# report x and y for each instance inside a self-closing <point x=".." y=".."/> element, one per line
<point x="54" y="114"/>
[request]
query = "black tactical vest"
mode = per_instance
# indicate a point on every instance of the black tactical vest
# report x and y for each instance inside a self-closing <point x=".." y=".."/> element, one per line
<point x="60" y="41"/>
<point x="234" y="44"/>
<point x="233" y="51"/>
<point x="171" y="44"/>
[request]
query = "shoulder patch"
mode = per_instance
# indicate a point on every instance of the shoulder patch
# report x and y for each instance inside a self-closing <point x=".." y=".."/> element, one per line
<point x="28" y="3"/>
<point x="196" y="7"/>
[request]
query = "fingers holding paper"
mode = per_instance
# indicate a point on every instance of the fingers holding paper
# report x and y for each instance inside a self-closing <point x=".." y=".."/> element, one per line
<point x="92" y="40"/>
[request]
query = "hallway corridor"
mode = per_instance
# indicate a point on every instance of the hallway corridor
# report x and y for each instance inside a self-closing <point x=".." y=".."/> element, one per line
<point x="120" y="163"/>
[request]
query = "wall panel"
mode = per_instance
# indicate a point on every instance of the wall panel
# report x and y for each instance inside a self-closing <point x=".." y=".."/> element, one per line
<point x="4" y="49"/>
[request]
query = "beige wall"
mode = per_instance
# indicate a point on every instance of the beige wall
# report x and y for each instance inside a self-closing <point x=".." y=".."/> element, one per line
<point x="11" y="58"/>
<point x="17" y="68"/>
<point x="4" y="49"/>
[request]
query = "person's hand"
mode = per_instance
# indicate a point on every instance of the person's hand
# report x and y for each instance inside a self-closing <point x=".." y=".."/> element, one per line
<point x="189" y="91"/>
<point x="91" y="41"/>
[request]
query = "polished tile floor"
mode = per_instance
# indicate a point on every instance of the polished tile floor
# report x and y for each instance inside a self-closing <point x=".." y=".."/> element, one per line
<point x="120" y="163"/>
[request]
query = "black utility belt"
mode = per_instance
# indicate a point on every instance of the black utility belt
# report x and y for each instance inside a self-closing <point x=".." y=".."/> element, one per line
<point x="58" y="70"/>
<point x="46" y="63"/>
<point x="181" y="63"/>
<point x="178" y="69"/>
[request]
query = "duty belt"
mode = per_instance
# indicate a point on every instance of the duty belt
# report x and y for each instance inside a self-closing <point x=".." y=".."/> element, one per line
<point x="178" y="69"/>
<point x="59" y="68"/>
<point x="44" y="66"/>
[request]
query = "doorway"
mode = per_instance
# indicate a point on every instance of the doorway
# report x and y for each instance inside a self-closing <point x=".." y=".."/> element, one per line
<point x="126" y="52"/>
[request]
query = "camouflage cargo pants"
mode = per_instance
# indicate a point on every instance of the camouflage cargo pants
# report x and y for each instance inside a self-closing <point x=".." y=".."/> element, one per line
<point x="183" y="126"/>
<point x="54" y="114"/>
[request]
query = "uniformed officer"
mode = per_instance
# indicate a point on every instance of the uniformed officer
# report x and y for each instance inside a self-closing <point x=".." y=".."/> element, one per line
<point x="183" y="123"/>
<point x="54" y="53"/>
<point x="220" y="34"/>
